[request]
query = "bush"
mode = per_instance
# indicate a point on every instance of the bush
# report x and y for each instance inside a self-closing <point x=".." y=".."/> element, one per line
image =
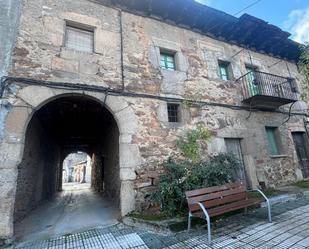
<point x="189" y="145"/>
<point x="183" y="176"/>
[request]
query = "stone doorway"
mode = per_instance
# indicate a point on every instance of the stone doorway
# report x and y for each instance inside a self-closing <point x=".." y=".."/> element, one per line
<point x="65" y="125"/>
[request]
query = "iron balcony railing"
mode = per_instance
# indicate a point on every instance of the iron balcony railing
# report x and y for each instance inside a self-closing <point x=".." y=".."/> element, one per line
<point x="257" y="83"/>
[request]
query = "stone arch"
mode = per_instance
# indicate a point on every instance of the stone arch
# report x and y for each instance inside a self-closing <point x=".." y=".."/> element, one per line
<point x="15" y="126"/>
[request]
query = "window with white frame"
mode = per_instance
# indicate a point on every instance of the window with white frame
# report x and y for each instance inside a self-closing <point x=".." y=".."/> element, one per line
<point x="79" y="37"/>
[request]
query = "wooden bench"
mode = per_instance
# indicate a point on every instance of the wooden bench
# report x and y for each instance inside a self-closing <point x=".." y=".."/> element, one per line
<point x="208" y="202"/>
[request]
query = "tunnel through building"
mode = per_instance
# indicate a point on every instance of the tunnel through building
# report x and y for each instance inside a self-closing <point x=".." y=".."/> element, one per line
<point x="66" y="125"/>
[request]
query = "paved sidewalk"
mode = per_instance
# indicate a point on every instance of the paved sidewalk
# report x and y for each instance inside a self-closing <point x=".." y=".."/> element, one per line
<point x="289" y="229"/>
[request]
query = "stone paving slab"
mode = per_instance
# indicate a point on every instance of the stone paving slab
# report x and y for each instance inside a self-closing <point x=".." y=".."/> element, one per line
<point x="289" y="230"/>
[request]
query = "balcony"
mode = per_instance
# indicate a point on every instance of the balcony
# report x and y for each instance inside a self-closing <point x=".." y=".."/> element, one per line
<point x="267" y="91"/>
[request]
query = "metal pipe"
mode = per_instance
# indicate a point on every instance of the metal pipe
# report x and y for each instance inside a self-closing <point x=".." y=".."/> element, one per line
<point x="208" y="221"/>
<point x="267" y="200"/>
<point x="306" y="128"/>
<point x="121" y="50"/>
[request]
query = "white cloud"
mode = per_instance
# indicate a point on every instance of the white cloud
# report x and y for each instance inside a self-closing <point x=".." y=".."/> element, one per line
<point x="298" y="25"/>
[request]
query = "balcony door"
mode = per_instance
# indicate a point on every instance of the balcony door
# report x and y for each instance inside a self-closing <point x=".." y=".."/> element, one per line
<point x="251" y="78"/>
<point x="233" y="146"/>
<point x="301" y="146"/>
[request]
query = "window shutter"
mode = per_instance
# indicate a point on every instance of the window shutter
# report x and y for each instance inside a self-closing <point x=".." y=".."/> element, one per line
<point x="79" y="39"/>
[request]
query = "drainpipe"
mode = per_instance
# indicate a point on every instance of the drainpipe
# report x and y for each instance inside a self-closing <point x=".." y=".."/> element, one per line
<point x="306" y="128"/>
<point x="121" y="49"/>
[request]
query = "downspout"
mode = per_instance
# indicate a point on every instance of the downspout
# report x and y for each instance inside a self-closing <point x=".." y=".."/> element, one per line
<point x="121" y="50"/>
<point x="306" y="128"/>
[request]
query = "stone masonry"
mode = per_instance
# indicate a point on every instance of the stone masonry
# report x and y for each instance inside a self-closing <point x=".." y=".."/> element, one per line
<point x="126" y="58"/>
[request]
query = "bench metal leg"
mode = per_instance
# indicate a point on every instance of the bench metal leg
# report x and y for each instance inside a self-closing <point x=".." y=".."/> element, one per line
<point x="189" y="221"/>
<point x="208" y="229"/>
<point x="268" y="204"/>
<point x="245" y="210"/>
<point x="269" y="210"/>
<point x="208" y="221"/>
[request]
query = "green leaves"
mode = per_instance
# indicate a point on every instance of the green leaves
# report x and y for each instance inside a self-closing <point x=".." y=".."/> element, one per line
<point x="183" y="176"/>
<point x="189" y="145"/>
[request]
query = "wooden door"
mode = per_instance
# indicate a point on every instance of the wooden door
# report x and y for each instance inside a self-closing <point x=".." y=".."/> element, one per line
<point x="254" y="89"/>
<point x="302" y="152"/>
<point x="233" y="146"/>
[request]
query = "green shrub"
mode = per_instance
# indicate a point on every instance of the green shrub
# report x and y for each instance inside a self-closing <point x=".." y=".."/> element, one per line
<point x="189" y="145"/>
<point x="183" y="176"/>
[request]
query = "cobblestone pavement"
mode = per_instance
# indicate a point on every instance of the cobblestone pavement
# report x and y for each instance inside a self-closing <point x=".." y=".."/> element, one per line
<point x="289" y="229"/>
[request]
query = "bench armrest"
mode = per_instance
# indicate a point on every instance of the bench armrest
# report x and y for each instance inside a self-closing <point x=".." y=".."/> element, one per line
<point x="267" y="200"/>
<point x="207" y="218"/>
<point x="260" y="191"/>
<point x="203" y="209"/>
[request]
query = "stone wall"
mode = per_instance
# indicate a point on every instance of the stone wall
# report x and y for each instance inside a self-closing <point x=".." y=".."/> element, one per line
<point x="37" y="172"/>
<point x="96" y="172"/>
<point x="40" y="54"/>
<point x="157" y="143"/>
<point x="9" y="17"/>
<point x="146" y="136"/>
<point x="111" y="163"/>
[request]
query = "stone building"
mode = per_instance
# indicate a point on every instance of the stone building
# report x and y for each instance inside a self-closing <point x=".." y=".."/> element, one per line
<point x="76" y="167"/>
<point x="109" y="77"/>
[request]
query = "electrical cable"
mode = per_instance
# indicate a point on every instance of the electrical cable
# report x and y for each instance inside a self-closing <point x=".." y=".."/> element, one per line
<point x="249" y="6"/>
<point x="119" y="92"/>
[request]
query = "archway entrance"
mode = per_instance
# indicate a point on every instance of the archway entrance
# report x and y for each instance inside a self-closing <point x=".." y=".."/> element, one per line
<point x="66" y="125"/>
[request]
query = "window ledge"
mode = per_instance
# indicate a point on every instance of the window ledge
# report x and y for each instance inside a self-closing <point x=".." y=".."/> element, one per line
<point x="174" y="125"/>
<point x="63" y="48"/>
<point x="169" y="70"/>
<point x="219" y="80"/>
<point x="278" y="156"/>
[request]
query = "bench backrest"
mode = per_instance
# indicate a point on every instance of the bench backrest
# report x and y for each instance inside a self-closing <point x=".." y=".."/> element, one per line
<point x="215" y="196"/>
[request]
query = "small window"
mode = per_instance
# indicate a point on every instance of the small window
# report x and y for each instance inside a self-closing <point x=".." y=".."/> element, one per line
<point x="224" y="70"/>
<point x="167" y="61"/>
<point x="173" y="113"/>
<point x="273" y="143"/>
<point x="79" y="37"/>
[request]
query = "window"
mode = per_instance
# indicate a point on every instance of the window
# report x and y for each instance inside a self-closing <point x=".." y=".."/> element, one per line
<point x="224" y="70"/>
<point x="173" y="113"/>
<point x="272" y="137"/>
<point x="167" y="61"/>
<point x="233" y="145"/>
<point x="79" y="37"/>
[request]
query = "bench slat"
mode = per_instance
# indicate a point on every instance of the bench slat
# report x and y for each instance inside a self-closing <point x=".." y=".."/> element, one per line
<point x="229" y="207"/>
<point x="216" y="195"/>
<point x="204" y="191"/>
<point x="216" y="202"/>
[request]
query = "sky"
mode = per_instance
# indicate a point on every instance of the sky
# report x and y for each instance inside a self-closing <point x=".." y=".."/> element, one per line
<point x="289" y="15"/>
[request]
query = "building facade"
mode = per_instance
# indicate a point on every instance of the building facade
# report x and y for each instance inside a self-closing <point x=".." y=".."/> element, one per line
<point x="109" y="78"/>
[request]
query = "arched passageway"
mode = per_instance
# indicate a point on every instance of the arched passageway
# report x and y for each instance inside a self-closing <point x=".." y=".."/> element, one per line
<point x="63" y="126"/>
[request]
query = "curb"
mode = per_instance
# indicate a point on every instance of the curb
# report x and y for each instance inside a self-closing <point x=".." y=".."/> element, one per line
<point x="286" y="197"/>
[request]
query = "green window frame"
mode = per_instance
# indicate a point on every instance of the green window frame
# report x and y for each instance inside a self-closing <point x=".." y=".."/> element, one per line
<point x="250" y="76"/>
<point x="167" y="61"/>
<point x="273" y="146"/>
<point x="224" y="70"/>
